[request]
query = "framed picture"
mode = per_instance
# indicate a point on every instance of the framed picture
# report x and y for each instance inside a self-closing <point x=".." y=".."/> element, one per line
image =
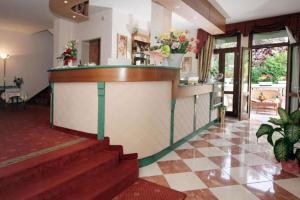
<point x="187" y="63"/>
<point x="122" y="46"/>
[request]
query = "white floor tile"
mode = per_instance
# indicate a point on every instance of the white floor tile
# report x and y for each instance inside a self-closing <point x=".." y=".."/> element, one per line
<point x="255" y="148"/>
<point x="150" y="170"/>
<point x="235" y="192"/>
<point x="170" y="156"/>
<point x="251" y="159"/>
<point x="185" y="181"/>
<point x="185" y="145"/>
<point x="245" y="175"/>
<point x="220" y="142"/>
<point x="212" y="151"/>
<point x="200" y="164"/>
<point x="292" y="185"/>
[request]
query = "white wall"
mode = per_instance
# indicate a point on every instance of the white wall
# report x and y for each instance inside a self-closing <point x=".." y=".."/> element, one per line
<point x="161" y="21"/>
<point x="123" y="23"/>
<point x="31" y="57"/>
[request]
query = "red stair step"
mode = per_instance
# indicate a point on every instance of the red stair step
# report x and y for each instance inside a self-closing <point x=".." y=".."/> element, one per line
<point x="37" y="166"/>
<point x="105" y="185"/>
<point x="58" y="182"/>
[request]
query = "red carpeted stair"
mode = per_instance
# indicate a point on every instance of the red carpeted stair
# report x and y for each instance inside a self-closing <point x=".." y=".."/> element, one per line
<point x="88" y="170"/>
<point x="91" y="169"/>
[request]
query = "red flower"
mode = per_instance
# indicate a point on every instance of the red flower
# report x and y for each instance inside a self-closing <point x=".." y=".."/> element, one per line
<point x="182" y="39"/>
<point x="196" y="51"/>
<point x="189" y="48"/>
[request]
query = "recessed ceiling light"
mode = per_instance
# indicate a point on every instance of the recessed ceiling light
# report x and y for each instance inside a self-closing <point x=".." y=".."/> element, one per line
<point x="74" y="16"/>
<point x="65" y="2"/>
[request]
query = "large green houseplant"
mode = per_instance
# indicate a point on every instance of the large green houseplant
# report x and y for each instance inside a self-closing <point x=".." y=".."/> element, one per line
<point x="288" y="129"/>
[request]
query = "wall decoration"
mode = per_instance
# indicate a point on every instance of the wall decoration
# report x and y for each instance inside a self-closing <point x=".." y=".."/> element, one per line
<point x="187" y="64"/>
<point x="122" y="46"/>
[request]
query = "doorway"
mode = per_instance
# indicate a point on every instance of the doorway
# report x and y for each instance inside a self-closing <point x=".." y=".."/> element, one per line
<point x="91" y="52"/>
<point x="268" y="74"/>
<point x="225" y="61"/>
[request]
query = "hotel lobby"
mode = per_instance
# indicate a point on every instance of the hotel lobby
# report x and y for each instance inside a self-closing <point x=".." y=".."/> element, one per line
<point x="150" y="99"/>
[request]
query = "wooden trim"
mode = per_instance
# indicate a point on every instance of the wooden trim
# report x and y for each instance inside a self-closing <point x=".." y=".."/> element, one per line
<point x="118" y="74"/>
<point x="58" y="7"/>
<point x="188" y="91"/>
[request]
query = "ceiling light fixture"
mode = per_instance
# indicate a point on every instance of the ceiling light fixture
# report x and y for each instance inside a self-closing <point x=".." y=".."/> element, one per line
<point x="65" y="2"/>
<point x="74" y="16"/>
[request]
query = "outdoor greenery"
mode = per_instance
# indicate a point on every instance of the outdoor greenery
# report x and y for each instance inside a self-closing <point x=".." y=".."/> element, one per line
<point x="269" y="65"/>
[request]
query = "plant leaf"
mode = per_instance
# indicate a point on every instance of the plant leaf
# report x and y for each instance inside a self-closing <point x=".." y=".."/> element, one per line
<point x="264" y="129"/>
<point x="292" y="133"/>
<point x="277" y="129"/>
<point x="270" y="140"/>
<point x="283" y="115"/>
<point x="298" y="156"/>
<point x="295" y="115"/>
<point x="276" y="121"/>
<point x="281" y="150"/>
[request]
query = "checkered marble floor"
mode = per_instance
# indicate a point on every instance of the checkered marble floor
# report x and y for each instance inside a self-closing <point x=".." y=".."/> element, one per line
<point x="225" y="163"/>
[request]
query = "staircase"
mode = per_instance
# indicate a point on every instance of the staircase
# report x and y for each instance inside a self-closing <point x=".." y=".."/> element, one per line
<point x="91" y="169"/>
<point x="41" y="98"/>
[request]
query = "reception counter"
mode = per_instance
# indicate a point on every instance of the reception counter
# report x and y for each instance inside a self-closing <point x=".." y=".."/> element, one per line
<point x="139" y="107"/>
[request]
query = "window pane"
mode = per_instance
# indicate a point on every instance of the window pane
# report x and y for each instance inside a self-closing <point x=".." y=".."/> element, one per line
<point x="228" y="102"/>
<point x="215" y="65"/>
<point x="226" y="42"/>
<point x="229" y="71"/>
<point x="270" y="38"/>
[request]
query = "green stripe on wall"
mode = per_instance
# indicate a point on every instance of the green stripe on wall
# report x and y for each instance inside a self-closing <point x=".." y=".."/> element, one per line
<point x="173" y="104"/>
<point x="101" y="109"/>
<point x="52" y="104"/>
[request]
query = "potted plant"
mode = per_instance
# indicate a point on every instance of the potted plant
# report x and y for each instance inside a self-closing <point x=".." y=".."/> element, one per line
<point x="287" y="127"/>
<point x="174" y="45"/>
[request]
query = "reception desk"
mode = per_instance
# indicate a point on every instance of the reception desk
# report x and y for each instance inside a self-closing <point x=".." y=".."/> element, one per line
<point x="139" y="107"/>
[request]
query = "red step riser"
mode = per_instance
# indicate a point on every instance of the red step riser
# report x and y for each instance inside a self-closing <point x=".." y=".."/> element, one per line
<point x="66" y="187"/>
<point x="116" y="189"/>
<point x="42" y="169"/>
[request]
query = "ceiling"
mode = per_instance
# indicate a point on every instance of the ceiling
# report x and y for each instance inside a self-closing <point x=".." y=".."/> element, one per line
<point x="25" y="15"/>
<point x="244" y="10"/>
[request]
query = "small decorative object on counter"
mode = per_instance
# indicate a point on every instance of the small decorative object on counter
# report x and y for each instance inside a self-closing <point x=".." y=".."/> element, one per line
<point x="174" y="45"/>
<point x="287" y="130"/>
<point x="69" y="56"/>
<point x="222" y="114"/>
<point x="18" y="81"/>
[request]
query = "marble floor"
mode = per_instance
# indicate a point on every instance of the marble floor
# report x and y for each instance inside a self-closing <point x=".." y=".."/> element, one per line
<point x="225" y="163"/>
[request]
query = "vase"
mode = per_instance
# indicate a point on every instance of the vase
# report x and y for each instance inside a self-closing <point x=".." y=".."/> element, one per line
<point x="290" y="166"/>
<point x="175" y="59"/>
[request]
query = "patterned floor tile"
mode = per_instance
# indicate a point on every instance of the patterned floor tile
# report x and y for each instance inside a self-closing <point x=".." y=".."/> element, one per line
<point x="200" y="143"/>
<point x="186" y="145"/>
<point x="233" y="150"/>
<point x="189" y="153"/>
<point x="150" y="170"/>
<point x="255" y="148"/>
<point x="170" y="156"/>
<point x="251" y="159"/>
<point x="239" y="140"/>
<point x="236" y="192"/>
<point x="200" y="164"/>
<point x="204" y="194"/>
<point x="273" y="172"/>
<point x="185" y="181"/>
<point x="291" y="185"/>
<point x="270" y="191"/>
<point x="215" y="178"/>
<point x="160" y="180"/>
<point x="245" y="175"/>
<point x="212" y="151"/>
<point x="226" y="161"/>
<point x="220" y="142"/>
<point x="210" y="136"/>
<point x="173" y="166"/>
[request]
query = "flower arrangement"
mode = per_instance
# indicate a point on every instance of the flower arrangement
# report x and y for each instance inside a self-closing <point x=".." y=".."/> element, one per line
<point x="70" y="52"/>
<point x="175" y="43"/>
<point x="18" y="81"/>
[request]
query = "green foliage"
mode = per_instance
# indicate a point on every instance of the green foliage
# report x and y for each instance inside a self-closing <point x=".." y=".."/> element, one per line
<point x="290" y="134"/>
<point x="274" y="65"/>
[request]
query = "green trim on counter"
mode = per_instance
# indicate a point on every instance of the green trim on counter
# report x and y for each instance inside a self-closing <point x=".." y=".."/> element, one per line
<point x="109" y="66"/>
<point x="52" y="105"/>
<point x="173" y="104"/>
<point x="155" y="157"/>
<point x="101" y="110"/>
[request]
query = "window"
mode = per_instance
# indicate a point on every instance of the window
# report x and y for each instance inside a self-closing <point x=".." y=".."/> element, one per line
<point x="226" y="42"/>
<point x="275" y="37"/>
